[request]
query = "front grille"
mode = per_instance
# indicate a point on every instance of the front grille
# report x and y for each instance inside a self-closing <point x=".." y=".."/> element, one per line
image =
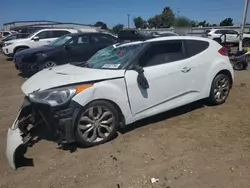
<point x="64" y="113"/>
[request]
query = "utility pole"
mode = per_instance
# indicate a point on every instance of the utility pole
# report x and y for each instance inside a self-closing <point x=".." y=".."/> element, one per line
<point x="128" y="19"/>
<point x="178" y="12"/>
<point x="243" y="24"/>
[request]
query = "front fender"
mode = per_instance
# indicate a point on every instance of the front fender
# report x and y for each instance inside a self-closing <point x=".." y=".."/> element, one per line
<point x="112" y="90"/>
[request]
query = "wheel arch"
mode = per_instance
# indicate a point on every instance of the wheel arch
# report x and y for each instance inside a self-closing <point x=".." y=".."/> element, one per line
<point x="21" y="46"/>
<point x="113" y="91"/>
<point x="228" y="73"/>
<point x="117" y="107"/>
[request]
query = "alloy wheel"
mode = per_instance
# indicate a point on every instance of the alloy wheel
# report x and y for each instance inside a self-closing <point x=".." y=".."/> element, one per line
<point x="96" y="123"/>
<point x="221" y="89"/>
<point x="49" y="64"/>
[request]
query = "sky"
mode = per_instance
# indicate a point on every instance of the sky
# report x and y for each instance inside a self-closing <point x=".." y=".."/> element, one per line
<point x="115" y="11"/>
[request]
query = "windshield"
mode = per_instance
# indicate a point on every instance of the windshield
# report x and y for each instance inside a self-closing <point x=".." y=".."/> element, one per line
<point x="112" y="57"/>
<point x="61" y="41"/>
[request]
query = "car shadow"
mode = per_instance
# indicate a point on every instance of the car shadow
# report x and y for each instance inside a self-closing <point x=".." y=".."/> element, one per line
<point x="44" y="133"/>
<point x="9" y="59"/>
<point x="165" y="115"/>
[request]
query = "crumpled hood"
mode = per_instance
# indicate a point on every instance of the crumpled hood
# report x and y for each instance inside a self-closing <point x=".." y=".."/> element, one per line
<point x="65" y="75"/>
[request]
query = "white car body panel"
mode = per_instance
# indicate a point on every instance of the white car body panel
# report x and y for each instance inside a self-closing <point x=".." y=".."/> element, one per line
<point x="14" y="141"/>
<point x="65" y="75"/>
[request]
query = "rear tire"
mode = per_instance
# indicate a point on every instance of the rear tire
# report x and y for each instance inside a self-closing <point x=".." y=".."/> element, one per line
<point x="246" y="42"/>
<point x="96" y="123"/>
<point x="220" y="89"/>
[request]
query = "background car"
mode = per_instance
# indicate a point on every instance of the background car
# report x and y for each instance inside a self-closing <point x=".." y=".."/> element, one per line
<point x="36" y="39"/>
<point x="134" y="35"/>
<point x="68" y="48"/>
<point x="13" y="37"/>
<point x="6" y="33"/>
<point x="228" y="36"/>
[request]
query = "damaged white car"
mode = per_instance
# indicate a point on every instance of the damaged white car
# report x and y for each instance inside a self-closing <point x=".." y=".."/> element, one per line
<point x="87" y="102"/>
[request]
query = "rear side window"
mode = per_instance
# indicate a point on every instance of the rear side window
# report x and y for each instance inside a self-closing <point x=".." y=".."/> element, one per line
<point x="5" y="34"/>
<point x="162" y="53"/>
<point x="103" y="39"/>
<point x="44" y="35"/>
<point x="194" y="47"/>
<point x="218" y="32"/>
<point x="56" y="34"/>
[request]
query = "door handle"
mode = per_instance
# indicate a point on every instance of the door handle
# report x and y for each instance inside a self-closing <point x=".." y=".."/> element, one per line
<point x="48" y="41"/>
<point x="185" y="69"/>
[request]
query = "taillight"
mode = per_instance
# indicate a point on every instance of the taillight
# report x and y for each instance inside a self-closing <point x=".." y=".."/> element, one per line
<point x="223" y="51"/>
<point x="209" y="35"/>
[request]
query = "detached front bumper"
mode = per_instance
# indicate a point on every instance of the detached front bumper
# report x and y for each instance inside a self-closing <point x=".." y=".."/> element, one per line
<point x="60" y="121"/>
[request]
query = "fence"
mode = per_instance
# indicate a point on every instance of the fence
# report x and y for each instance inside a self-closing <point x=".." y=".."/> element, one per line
<point x="195" y="31"/>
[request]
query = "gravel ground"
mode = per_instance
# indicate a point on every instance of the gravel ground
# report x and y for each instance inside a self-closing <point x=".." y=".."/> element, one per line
<point x="194" y="146"/>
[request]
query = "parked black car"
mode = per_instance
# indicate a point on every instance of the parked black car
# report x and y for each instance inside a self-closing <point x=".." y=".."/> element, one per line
<point x="13" y="37"/>
<point x="134" y="35"/>
<point x="76" y="47"/>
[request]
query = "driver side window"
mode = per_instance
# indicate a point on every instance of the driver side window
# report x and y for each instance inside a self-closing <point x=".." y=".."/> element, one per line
<point x="44" y="35"/>
<point x="162" y="52"/>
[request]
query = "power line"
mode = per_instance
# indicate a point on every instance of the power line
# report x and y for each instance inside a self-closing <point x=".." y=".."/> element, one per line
<point x="212" y="9"/>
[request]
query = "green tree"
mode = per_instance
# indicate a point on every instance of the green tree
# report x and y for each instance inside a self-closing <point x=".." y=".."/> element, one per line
<point x="167" y="17"/>
<point x="182" y="22"/>
<point x="203" y="23"/>
<point x="117" y="28"/>
<point x="101" y="24"/>
<point x="227" y="22"/>
<point x="163" y="20"/>
<point x="139" y="22"/>
<point x="194" y="23"/>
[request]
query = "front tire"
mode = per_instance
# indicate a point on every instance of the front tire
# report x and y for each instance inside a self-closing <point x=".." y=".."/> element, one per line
<point x="96" y="124"/>
<point x="220" y="89"/>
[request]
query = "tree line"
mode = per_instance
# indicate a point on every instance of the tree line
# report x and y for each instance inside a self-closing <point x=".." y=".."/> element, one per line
<point x="165" y="19"/>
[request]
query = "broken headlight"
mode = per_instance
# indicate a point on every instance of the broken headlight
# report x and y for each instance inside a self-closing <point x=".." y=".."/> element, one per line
<point x="53" y="97"/>
<point x="59" y="96"/>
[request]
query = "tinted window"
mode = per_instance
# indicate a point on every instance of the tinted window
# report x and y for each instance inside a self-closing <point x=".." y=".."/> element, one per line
<point x="44" y="35"/>
<point x="5" y="34"/>
<point x="194" y="47"/>
<point x="218" y="32"/>
<point x="83" y="40"/>
<point x="103" y="39"/>
<point x="163" y="52"/>
<point x="232" y="32"/>
<point x="56" y="34"/>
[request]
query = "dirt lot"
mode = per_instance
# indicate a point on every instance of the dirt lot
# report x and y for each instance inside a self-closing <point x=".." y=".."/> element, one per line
<point x="193" y="147"/>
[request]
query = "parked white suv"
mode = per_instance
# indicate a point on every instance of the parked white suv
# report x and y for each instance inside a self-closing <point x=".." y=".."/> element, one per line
<point x="232" y="36"/>
<point x="36" y="39"/>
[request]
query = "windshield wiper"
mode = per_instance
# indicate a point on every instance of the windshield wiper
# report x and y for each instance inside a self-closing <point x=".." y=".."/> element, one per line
<point x="81" y="64"/>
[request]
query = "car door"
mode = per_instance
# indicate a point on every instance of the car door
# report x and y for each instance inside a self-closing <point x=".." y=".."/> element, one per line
<point x="198" y="63"/>
<point x="233" y="36"/>
<point x="165" y="69"/>
<point x="101" y="41"/>
<point x="80" y="48"/>
<point x="40" y="39"/>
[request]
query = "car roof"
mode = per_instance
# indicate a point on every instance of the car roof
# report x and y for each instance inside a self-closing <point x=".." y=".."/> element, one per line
<point x="158" y="39"/>
<point x="85" y="33"/>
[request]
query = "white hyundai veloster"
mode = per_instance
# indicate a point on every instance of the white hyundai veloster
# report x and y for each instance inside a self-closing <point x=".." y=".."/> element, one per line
<point x="87" y="102"/>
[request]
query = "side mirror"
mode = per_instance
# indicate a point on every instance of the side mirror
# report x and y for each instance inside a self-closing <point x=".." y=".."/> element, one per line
<point x="35" y="38"/>
<point x="141" y="79"/>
